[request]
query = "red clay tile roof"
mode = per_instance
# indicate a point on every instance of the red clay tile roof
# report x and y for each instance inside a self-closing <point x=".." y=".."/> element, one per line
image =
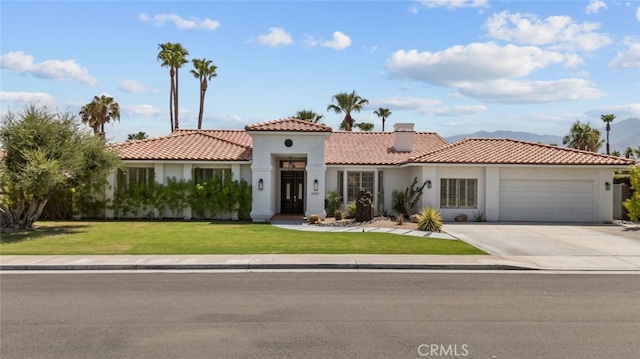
<point x="509" y="151"/>
<point x="199" y="145"/>
<point x="290" y="125"/>
<point x="375" y="148"/>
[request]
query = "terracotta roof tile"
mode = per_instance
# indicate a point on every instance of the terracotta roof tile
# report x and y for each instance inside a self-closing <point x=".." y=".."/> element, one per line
<point x="201" y="145"/>
<point x="509" y="151"/>
<point x="375" y="148"/>
<point x="289" y="125"/>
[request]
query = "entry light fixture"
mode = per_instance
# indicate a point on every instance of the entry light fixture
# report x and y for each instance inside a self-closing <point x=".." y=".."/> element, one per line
<point x="607" y="186"/>
<point x="428" y="183"/>
<point x="260" y="184"/>
<point x="315" y="185"/>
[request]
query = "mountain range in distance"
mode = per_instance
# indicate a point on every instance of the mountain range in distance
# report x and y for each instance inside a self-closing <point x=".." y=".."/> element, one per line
<point x="623" y="134"/>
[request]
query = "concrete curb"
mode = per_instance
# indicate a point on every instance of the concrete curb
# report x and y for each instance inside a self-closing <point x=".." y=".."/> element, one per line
<point x="261" y="266"/>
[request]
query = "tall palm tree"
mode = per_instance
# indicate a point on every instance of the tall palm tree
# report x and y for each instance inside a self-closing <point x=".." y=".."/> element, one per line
<point x="204" y="71"/>
<point x="608" y="119"/>
<point x="628" y="152"/>
<point x="583" y="137"/>
<point x="101" y="110"/>
<point x="173" y="56"/>
<point x="347" y="103"/>
<point x="382" y="113"/>
<point x="308" y="115"/>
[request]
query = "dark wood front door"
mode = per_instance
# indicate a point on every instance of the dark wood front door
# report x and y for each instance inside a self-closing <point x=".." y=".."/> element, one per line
<point x="292" y="191"/>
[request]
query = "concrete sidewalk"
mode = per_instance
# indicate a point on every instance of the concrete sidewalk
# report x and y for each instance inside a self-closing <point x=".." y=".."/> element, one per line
<point x="319" y="262"/>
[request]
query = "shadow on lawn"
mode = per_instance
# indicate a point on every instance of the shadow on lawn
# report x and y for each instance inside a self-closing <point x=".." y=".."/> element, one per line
<point x="41" y="232"/>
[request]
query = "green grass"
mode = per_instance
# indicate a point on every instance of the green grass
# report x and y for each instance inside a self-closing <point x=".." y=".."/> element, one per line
<point x="212" y="238"/>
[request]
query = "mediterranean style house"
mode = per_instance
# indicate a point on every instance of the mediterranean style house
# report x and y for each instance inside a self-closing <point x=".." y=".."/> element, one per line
<point x="292" y="164"/>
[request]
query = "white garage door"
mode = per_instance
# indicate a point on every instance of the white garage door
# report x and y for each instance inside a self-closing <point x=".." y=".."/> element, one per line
<point x="546" y="200"/>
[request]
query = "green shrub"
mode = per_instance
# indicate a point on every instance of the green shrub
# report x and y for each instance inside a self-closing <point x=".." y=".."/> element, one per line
<point x="479" y="217"/>
<point x="314" y="219"/>
<point x="430" y="220"/>
<point x="351" y="210"/>
<point x="397" y="202"/>
<point x="333" y="201"/>
<point x="337" y="214"/>
<point x="633" y="204"/>
<point x="404" y="202"/>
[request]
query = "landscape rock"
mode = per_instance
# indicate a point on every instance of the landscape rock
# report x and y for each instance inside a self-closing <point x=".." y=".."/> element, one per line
<point x="461" y="218"/>
<point x="415" y="218"/>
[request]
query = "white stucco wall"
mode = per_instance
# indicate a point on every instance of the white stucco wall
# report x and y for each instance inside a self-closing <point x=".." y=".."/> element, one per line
<point x="268" y="149"/>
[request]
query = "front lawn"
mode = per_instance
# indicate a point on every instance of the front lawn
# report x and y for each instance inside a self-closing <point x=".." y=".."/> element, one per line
<point x="212" y="238"/>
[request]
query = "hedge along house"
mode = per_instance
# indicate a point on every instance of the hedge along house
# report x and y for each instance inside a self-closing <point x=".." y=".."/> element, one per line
<point x="292" y="164"/>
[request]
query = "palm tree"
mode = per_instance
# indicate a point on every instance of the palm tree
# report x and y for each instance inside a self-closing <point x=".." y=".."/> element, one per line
<point x="137" y="136"/>
<point x="308" y="115"/>
<point x="382" y="113"/>
<point x="173" y="56"/>
<point x="347" y="102"/>
<point x="608" y="119"/>
<point x="615" y="153"/>
<point x="101" y="110"/>
<point x="628" y="152"/>
<point x="204" y="71"/>
<point x="365" y="126"/>
<point x="583" y="137"/>
<point x="637" y="151"/>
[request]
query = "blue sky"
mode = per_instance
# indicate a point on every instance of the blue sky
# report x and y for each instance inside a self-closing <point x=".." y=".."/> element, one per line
<point x="452" y="67"/>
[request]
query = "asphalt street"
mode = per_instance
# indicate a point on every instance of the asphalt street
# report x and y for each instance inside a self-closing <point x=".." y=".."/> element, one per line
<point x="319" y="315"/>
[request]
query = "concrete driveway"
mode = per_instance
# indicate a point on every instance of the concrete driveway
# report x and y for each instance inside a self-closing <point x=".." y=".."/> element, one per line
<point x="529" y="239"/>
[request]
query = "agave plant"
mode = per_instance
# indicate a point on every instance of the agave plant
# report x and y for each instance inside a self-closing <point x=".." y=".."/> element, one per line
<point x="430" y="220"/>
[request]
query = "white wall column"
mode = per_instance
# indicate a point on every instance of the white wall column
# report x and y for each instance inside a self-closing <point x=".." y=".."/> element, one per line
<point x="263" y="188"/>
<point x="187" y="175"/>
<point x="235" y="171"/>
<point x="492" y="194"/>
<point x="315" y="198"/>
<point x="158" y="170"/>
<point x="603" y="197"/>
<point x="109" y="193"/>
<point x="429" y="195"/>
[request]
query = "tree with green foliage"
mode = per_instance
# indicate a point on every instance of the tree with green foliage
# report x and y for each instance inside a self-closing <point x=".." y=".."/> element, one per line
<point x="137" y="136"/>
<point x="347" y="103"/>
<point x="365" y="126"/>
<point x="628" y="152"/>
<point x="608" y="119"/>
<point x="308" y="115"/>
<point x="204" y="71"/>
<point x="173" y="56"/>
<point x="633" y="204"/>
<point x="45" y="153"/>
<point x="101" y="110"/>
<point x="382" y="113"/>
<point x="615" y="153"/>
<point x="582" y="136"/>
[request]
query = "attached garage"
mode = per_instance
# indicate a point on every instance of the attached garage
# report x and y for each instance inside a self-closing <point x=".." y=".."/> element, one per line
<point x="546" y="200"/>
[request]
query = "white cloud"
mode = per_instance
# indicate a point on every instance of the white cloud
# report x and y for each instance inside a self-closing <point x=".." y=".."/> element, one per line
<point x="57" y="70"/>
<point x="132" y="86"/>
<point x="522" y="92"/>
<point x="476" y="62"/>
<point x="558" y="32"/>
<point x="310" y="41"/>
<point x="638" y="13"/>
<point x="340" y="41"/>
<point x="595" y="6"/>
<point x="628" y="58"/>
<point x="426" y="107"/>
<point x="453" y="4"/>
<point x="141" y="110"/>
<point x="180" y="22"/>
<point x="26" y="98"/>
<point x="621" y="111"/>
<point x="276" y="37"/>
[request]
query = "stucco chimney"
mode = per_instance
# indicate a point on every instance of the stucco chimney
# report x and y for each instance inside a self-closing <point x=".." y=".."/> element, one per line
<point x="403" y="137"/>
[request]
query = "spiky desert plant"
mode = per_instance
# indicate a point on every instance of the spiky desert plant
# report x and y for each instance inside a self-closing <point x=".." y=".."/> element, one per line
<point x="430" y="220"/>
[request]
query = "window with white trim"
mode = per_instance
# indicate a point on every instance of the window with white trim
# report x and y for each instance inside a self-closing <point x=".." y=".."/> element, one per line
<point x="132" y="177"/>
<point x="206" y="174"/>
<point x="358" y="180"/>
<point x="458" y="193"/>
